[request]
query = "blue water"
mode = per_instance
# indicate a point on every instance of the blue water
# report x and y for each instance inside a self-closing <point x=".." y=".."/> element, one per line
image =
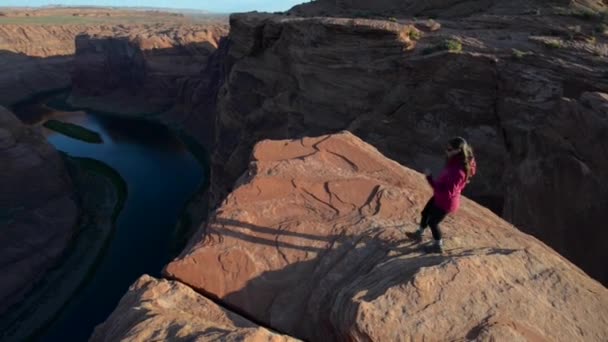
<point x="161" y="176"/>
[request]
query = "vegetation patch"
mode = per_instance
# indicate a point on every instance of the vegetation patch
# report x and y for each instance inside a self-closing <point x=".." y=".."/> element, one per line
<point x="602" y="28"/>
<point x="100" y="168"/>
<point x="451" y="45"/>
<point x="518" y="54"/>
<point x="414" y="34"/>
<point x="583" y="13"/>
<point x="553" y="44"/>
<point x="586" y="14"/>
<point x="74" y="131"/>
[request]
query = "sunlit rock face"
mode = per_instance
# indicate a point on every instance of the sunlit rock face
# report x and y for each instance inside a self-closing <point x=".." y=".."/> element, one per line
<point x="164" y="310"/>
<point x="311" y="242"/>
<point x="532" y="114"/>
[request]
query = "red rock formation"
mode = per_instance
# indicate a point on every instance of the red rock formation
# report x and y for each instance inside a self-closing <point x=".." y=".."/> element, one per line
<point x="442" y="8"/>
<point x="195" y="108"/>
<point x="140" y="70"/>
<point x="311" y="243"/>
<point x="22" y="77"/>
<point x="169" y="311"/>
<point x="557" y="180"/>
<point x="36" y="58"/>
<point x="38" y="213"/>
<point x="41" y="40"/>
<point x="36" y="47"/>
<point x="395" y="87"/>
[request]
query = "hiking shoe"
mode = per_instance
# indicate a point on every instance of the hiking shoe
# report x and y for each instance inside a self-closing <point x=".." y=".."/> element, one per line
<point x="416" y="236"/>
<point x="434" y="248"/>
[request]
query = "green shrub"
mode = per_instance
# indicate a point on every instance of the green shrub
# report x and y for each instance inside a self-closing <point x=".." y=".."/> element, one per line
<point x="602" y="28"/>
<point x="518" y="54"/>
<point x="586" y="14"/>
<point x="414" y="34"/>
<point x="451" y="45"/>
<point x="393" y="19"/>
<point x="553" y="44"/>
<point x="583" y="13"/>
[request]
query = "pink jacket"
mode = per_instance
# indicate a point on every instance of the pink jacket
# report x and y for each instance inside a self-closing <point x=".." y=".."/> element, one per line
<point x="448" y="187"/>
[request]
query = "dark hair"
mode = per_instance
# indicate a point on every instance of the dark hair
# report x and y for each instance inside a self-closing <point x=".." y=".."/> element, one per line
<point x="466" y="153"/>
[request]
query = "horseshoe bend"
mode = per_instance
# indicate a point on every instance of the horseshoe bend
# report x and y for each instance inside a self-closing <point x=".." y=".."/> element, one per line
<point x="182" y="174"/>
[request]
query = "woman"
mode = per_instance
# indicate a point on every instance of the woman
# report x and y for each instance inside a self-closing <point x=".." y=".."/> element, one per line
<point x="459" y="170"/>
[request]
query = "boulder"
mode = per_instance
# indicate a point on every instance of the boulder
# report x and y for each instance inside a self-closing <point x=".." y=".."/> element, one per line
<point x="311" y="242"/>
<point x="161" y="310"/>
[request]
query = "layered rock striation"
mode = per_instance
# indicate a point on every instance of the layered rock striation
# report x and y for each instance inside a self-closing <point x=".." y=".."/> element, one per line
<point x="162" y="310"/>
<point x="140" y="71"/>
<point x="311" y="242"/>
<point x="437" y="8"/>
<point x="527" y="89"/>
<point x="37" y="47"/>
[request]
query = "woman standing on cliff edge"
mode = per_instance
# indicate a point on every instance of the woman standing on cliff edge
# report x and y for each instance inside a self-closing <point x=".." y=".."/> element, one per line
<point x="460" y="168"/>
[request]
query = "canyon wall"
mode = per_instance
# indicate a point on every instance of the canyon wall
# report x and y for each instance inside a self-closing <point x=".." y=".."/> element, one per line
<point x="37" y="47"/>
<point x="38" y="209"/>
<point x="306" y="236"/>
<point x="436" y="8"/>
<point x="311" y="243"/>
<point x="34" y="59"/>
<point x="141" y="70"/>
<point x="530" y="110"/>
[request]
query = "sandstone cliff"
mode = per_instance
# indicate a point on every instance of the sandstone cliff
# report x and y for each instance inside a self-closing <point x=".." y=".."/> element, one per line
<point x="42" y="40"/>
<point x="311" y="243"/>
<point x="160" y="310"/>
<point x="36" y="58"/>
<point x="527" y="89"/>
<point x="440" y="8"/>
<point x="38" y="213"/>
<point x="22" y="77"/>
<point x="37" y="47"/>
<point x="140" y="71"/>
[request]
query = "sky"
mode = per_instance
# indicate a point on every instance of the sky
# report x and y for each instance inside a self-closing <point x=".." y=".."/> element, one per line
<point x="220" y="6"/>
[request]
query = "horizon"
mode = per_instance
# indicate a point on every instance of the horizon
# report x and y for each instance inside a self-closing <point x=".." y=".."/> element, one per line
<point x="227" y="6"/>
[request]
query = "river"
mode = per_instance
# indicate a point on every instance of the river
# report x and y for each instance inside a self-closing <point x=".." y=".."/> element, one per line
<point x="161" y="175"/>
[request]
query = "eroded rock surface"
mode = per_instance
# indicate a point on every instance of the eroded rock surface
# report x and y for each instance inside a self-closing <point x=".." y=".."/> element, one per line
<point x="140" y="70"/>
<point x="37" y="47"/>
<point x="160" y="310"/>
<point x="21" y="76"/>
<point x="38" y="213"/>
<point x="311" y="242"/>
<point x="441" y="8"/>
<point x="510" y="91"/>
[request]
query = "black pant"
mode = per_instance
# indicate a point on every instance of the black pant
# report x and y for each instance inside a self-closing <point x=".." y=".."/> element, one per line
<point x="432" y="216"/>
